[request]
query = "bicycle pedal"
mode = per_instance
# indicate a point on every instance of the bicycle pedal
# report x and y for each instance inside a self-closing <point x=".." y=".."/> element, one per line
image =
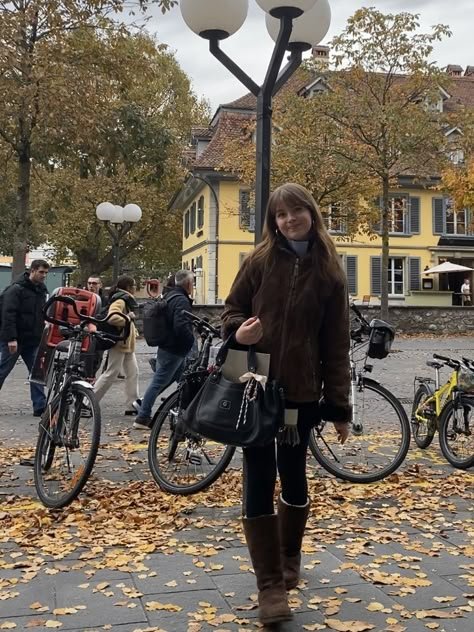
<point x="194" y="458"/>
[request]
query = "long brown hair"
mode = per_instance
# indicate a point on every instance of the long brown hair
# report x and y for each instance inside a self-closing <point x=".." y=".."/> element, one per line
<point x="293" y="195"/>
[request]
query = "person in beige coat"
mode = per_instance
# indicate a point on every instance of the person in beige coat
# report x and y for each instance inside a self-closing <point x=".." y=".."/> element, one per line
<point x="121" y="359"/>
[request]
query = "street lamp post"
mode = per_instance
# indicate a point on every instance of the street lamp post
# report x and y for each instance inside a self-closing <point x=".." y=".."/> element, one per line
<point x="295" y="25"/>
<point x="118" y="221"/>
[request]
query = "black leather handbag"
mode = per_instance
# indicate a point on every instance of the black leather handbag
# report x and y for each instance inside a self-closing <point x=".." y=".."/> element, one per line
<point x="241" y="414"/>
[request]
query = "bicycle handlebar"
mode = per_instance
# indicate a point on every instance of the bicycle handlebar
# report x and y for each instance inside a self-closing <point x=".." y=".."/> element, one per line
<point x="201" y="324"/>
<point x="364" y="323"/>
<point x="454" y="364"/>
<point x="83" y="318"/>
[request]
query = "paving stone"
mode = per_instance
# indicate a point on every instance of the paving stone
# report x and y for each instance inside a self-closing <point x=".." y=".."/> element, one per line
<point x="172" y="569"/>
<point x="28" y="593"/>
<point x="189" y="602"/>
<point x="100" y="608"/>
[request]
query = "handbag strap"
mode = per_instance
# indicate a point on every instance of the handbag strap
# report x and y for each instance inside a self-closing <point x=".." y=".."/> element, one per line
<point x="223" y="351"/>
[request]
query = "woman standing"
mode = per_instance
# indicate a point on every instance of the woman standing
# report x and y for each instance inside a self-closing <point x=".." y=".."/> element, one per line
<point x="290" y="300"/>
<point x="121" y="357"/>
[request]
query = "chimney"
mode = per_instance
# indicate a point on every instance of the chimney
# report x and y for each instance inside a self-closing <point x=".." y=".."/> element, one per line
<point x="453" y="70"/>
<point x="321" y="54"/>
<point x="469" y="72"/>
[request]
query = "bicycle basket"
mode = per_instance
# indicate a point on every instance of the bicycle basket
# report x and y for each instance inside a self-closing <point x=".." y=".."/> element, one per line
<point x="466" y="380"/>
<point x="381" y="338"/>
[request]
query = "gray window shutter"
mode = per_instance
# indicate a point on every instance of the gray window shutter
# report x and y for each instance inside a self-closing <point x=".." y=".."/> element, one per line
<point x="351" y="272"/>
<point x="414" y="270"/>
<point x="377" y="225"/>
<point x="376" y="276"/>
<point x="414" y="215"/>
<point x="438" y="216"/>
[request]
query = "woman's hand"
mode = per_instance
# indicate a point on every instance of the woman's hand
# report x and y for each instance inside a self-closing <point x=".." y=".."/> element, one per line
<point x="342" y="429"/>
<point x="249" y="332"/>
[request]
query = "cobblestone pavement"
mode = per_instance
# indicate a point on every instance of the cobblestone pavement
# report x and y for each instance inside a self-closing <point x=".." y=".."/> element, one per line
<point x="394" y="556"/>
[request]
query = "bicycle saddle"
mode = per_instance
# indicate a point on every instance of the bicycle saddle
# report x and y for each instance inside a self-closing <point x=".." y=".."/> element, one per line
<point x="62" y="346"/>
<point x="434" y="364"/>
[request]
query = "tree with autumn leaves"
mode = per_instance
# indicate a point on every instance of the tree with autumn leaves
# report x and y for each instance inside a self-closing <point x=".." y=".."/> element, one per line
<point x="67" y="72"/>
<point x="458" y="176"/>
<point x="373" y="123"/>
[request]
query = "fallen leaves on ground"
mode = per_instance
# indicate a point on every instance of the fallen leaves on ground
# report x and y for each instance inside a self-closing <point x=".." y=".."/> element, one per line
<point x="360" y="517"/>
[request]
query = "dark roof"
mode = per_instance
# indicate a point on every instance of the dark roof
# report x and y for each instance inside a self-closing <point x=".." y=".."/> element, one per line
<point x="228" y="126"/>
<point x="203" y="133"/>
<point x="461" y="90"/>
<point x="230" y="119"/>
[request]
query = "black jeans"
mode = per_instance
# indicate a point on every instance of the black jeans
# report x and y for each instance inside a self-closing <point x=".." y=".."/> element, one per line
<point x="261" y="464"/>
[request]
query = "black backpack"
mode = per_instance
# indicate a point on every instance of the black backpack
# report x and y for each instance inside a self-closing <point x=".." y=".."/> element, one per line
<point x="106" y="328"/>
<point x="156" y="325"/>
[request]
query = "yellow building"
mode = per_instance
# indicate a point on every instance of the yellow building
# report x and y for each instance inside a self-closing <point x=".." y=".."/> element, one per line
<point x="425" y="229"/>
<point x="218" y="226"/>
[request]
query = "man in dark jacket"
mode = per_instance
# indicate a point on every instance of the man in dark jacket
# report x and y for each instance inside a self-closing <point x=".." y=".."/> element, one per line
<point x="171" y="356"/>
<point x="22" y="323"/>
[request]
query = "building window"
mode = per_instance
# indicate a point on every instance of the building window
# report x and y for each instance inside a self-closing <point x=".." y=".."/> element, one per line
<point x="456" y="221"/>
<point x="396" y="276"/>
<point x="192" y="228"/>
<point x="186" y="224"/>
<point x="199" y="262"/>
<point x="246" y="214"/>
<point x="334" y="218"/>
<point x="398" y="214"/>
<point x="200" y="217"/>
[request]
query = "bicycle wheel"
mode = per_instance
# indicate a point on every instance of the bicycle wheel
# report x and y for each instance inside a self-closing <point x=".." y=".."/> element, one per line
<point x="456" y="433"/>
<point x="423" y="429"/>
<point x="67" y="447"/>
<point x="181" y="462"/>
<point x="378" y="441"/>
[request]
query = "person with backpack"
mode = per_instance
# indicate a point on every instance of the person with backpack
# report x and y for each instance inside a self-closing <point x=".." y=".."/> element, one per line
<point x="121" y="356"/>
<point x="175" y="342"/>
<point x="22" y="324"/>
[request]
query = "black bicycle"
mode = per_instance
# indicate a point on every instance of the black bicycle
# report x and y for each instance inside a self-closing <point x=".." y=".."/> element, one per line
<point x="69" y="429"/>
<point x="182" y="462"/>
<point x="379" y="436"/>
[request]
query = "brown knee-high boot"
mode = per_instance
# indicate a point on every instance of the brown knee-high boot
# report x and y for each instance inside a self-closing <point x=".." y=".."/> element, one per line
<point x="263" y="541"/>
<point x="292" y="522"/>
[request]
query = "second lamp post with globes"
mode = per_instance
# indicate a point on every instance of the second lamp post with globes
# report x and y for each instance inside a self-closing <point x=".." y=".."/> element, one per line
<point x="118" y="221"/>
<point x="296" y="26"/>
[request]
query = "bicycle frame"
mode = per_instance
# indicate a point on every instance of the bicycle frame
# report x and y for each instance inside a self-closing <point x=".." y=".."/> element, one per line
<point x="441" y="395"/>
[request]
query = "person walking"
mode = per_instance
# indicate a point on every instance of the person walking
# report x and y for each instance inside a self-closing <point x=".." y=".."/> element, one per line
<point x="94" y="285"/>
<point x="169" y="285"/>
<point x="466" y="293"/>
<point x="22" y="324"/>
<point x="121" y="357"/>
<point x="171" y="356"/>
<point x="306" y="332"/>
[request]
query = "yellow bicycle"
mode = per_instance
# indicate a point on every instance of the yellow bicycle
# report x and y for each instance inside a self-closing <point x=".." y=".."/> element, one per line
<point x="448" y="408"/>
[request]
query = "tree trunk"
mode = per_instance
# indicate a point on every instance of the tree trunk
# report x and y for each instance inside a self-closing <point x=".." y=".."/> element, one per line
<point x="385" y="249"/>
<point x="21" y="228"/>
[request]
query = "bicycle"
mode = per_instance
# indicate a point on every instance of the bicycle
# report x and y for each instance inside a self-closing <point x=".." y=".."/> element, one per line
<point x="69" y="429"/>
<point x="182" y="462"/>
<point x="448" y="408"/>
<point x="379" y="437"/>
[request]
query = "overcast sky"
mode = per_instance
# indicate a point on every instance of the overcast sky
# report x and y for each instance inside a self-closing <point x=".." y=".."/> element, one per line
<point x="251" y="46"/>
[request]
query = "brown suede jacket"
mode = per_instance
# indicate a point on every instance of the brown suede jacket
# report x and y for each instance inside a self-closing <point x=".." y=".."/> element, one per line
<point x="305" y="325"/>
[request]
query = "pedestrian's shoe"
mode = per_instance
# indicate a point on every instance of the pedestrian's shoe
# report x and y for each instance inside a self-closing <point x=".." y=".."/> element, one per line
<point x="292" y="522"/>
<point x="143" y="423"/>
<point x="135" y="410"/>
<point x="263" y="541"/>
<point x="120" y="377"/>
<point x="38" y="412"/>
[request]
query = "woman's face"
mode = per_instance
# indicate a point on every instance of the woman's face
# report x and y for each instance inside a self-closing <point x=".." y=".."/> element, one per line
<point x="293" y="222"/>
<point x="132" y="289"/>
